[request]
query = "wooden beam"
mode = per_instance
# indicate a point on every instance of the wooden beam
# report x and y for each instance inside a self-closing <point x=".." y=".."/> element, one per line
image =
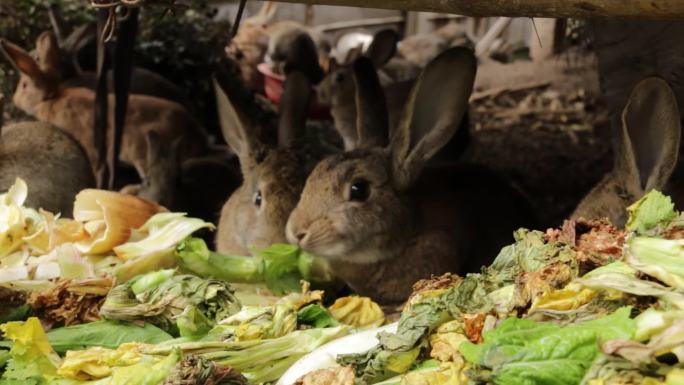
<point x="638" y="9"/>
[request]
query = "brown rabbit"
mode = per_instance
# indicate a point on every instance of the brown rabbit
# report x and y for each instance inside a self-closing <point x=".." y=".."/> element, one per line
<point x="339" y="90"/>
<point x="646" y="157"/>
<point x="196" y="186"/>
<point x="382" y="221"/>
<point x="71" y="109"/>
<point x="251" y="44"/>
<point x="273" y="176"/>
<point x="52" y="164"/>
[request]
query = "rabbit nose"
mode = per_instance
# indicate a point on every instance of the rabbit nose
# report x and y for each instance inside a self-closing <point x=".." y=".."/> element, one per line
<point x="294" y="233"/>
<point x="301" y="235"/>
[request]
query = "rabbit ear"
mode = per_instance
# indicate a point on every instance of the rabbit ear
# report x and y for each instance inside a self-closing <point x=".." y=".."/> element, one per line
<point x="79" y="38"/>
<point x="270" y="10"/>
<point x="22" y="60"/>
<point x="651" y="132"/>
<point x="372" y="125"/>
<point x="353" y="54"/>
<point x="266" y="13"/>
<point x="383" y="47"/>
<point x="154" y="147"/>
<point x="435" y="110"/>
<point x="294" y="108"/>
<point x="59" y="26"/>
<point x="304" y="51"/>
<point x="49" y="54"/>
<point x="238" y="131"/>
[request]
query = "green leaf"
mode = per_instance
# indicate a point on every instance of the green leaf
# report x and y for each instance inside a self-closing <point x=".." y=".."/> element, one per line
<point x="282" y="273"/>
<point x="653" y="210"/>
<point x="523" y="352"/>
<point x="106" y="334"/>
<point x="162" y="305"/>
<point x="316" y="316"/>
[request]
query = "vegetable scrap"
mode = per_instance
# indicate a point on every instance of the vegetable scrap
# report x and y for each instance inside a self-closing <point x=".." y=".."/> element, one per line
<point x="583" y="304"/>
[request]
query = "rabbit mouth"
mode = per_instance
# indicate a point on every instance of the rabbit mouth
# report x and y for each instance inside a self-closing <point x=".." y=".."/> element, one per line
<point x="322" y="243"/>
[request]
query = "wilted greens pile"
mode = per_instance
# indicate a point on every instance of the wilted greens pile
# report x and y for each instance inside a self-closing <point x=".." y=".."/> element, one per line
<point x="585" y="304"/>
<point x="124" y="294"/>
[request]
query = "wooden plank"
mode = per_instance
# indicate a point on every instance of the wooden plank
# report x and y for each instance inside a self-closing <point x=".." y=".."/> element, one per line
<point x="641" y="9"/>
<point x="370" y="22"/>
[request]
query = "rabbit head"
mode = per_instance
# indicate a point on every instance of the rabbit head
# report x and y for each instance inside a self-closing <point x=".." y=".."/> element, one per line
<point x="249" y="45"/>
<point x="292" y="48"/>
<point x="337" y="88"/>
<point x="39" y="80"/>
<point x="273" y="176"/>
<point x="646" y="157"/>
<point x="355" y="206"/>
<point x="162" y="171"/>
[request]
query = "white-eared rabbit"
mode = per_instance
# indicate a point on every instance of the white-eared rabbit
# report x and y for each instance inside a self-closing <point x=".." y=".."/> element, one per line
<point x="39" y="93"/>
<point x="273" y="175"/>
<point x="384" y="220"/>
<point x="646" y="157"/>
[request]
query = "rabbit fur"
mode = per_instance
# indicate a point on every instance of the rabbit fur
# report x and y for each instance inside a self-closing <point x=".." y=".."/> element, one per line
<point x="53" y="165"/>
<point x="338" y="90"/>
<point x="273" y="175"/>
<point x="196" y="186"/>
<point x="381" y="220"/>
<point x="646" y="156"/>
<point x="250" y="45"/>
<point x="71" y="109"/>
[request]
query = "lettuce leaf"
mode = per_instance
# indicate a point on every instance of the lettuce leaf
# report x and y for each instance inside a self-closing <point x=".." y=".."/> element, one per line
<point x="521" y="351"/>
<point x="659" y="258"/>
<point x="106" y="334"/>
<point x="32" y="358"/>
<point x="316" y="316"/>
<point x="652" y="211"/>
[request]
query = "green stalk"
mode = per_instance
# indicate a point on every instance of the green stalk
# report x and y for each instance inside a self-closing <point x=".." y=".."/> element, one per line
<point x="196" y="258"/>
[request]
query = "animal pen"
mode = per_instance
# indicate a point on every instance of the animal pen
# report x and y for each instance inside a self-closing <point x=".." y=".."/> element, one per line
<point x="341" y="192"/>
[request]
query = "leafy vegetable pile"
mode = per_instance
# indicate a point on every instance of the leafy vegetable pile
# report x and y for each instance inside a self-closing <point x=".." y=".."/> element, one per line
<point x="584" y="304"/>
<point x="123" y="294"/>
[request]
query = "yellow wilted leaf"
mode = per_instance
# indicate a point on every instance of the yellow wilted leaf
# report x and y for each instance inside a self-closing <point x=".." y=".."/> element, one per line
<point x="98" y="362"/>
<point x="569" y="298"/>
<point x="446" y="340"/>
<point x="357" y="311"/>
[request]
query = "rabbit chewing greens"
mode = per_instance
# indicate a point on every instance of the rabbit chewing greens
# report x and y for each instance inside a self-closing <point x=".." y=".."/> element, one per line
<point x="381" y="219"/>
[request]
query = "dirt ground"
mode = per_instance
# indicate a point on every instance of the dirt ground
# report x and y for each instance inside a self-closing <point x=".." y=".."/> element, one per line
<point x="551" y="140"/>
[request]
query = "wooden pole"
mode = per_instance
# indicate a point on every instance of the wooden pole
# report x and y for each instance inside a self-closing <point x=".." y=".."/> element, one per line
<point x="639" y="9"/>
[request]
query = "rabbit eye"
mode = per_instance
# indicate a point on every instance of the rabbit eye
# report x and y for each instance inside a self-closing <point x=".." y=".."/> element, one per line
<point x="339" y="77"/>
<point x="258" y="199"/>
<point x="24" y="84"/>
<point x="359" y="191"/>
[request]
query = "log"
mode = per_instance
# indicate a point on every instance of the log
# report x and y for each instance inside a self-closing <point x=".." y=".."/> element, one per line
<point x="638" y="9"/>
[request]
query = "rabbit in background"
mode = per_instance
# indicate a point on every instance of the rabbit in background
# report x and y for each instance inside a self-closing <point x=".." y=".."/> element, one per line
<point x="381" y="217"/>
<point x="53" y="165"/>
<point x="73" y="42"/>
<point x="273" y="175"/>
<point x="196" y="186"/>
<point x="339" y="90"/>
<point x="646" y="157"/>
<point x="259" y="35"/>
<point x="40" y="94"/>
